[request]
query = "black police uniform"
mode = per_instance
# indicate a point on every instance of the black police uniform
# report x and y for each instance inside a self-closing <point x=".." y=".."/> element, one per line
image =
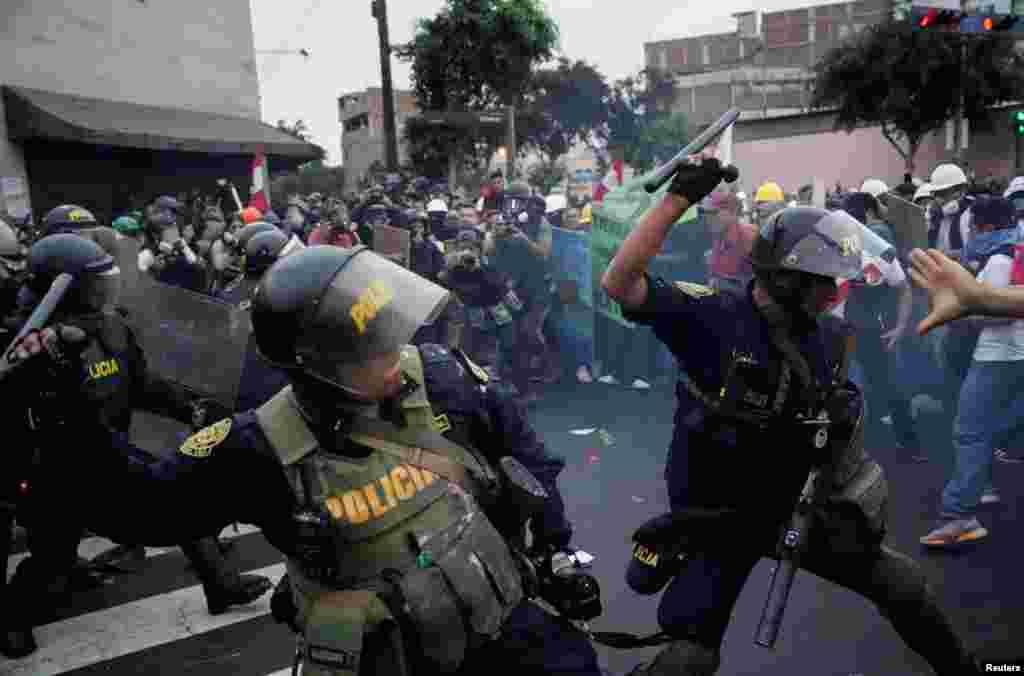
<point x="174" y="490"/>
<point x="716" y="461"/>
<point x="117" y="382"/>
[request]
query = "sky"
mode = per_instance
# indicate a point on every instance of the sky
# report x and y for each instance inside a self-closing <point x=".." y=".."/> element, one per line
<point x="341" y="38"/>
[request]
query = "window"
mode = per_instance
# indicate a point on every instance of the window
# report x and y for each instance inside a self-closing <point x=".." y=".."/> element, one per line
<point x="706" y="53"/>
<point x="844" y="31"/>
<point x="663" y="57"/>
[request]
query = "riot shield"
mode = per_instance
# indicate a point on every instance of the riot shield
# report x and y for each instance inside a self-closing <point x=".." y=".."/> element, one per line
<point x="190" y="339"/>
<point x="128" y="263"/>
<point x="395" y="244"/>
<point x="909" y="223"/>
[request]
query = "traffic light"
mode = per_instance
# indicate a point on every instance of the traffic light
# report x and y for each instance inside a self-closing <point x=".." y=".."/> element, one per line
<point x="1018" y="123"/>
<point x="998" y="23"/>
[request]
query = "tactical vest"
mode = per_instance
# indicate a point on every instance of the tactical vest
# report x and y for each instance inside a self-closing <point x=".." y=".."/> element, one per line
<point x="414" y="549"/>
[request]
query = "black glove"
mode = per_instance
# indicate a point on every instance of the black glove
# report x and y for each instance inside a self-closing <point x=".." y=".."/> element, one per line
<point x="205" y="412"/>
<point x="695" y="182"/>
<point x="48" y="364"/>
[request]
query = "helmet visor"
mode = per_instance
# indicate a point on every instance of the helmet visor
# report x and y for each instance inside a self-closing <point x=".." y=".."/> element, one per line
<point x="835" y="245"/>
<point x="375" y="307"/>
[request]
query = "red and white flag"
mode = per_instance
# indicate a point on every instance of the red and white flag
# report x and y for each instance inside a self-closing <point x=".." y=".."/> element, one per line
<point x="259" y="195"/>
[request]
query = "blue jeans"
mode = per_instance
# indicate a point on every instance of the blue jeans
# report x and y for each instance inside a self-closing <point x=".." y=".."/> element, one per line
<point x="991" y="404"/>
<point x="565" y="324"/>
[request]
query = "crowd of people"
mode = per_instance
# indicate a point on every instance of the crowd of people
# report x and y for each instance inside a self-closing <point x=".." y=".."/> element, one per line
<point x="519" y="327"/>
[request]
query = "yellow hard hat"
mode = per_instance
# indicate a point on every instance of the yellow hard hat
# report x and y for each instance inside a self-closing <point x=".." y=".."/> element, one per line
<point x="769" y="192"/>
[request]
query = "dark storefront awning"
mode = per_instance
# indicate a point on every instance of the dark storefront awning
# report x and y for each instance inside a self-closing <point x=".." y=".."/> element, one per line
<point x="36" y="114"/>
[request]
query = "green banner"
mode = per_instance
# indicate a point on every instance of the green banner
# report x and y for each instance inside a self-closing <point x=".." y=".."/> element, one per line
<point x="622" y="209"/>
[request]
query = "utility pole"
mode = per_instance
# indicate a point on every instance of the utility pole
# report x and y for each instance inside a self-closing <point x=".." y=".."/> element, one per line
<point x="379" y="9"/>
<point x="510" y="144"/>
<point x="958" y="124"/>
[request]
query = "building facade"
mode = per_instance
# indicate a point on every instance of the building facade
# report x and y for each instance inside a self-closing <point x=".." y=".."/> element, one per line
<point x="765" y="65"/>
<point x="361" y="115"/>
<point x="123" y="79"/>
<point x="793" y="150"/>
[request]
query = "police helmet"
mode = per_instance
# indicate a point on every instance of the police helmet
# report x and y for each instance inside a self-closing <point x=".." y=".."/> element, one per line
<point x="264" y="248"/>
<point x="243" y="236"/>
<point x="126" y="225"/>
<point x="169" y="203"/>
<point x="97" y="277"/>
<point x="817" y="242"/>
<point x="68" y="218"/>
<point x="326" y="310"/>
<point x="160" y="218"/>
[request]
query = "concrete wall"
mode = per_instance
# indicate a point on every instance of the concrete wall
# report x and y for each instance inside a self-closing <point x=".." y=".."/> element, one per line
<point x="764" y="72"/>
<point x="794" y="150"/>
<point x="361" y="115"/>
<point x="186" y="54"/>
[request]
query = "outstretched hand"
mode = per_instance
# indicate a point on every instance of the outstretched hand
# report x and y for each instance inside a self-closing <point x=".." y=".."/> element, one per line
<point x="953" y="292"/>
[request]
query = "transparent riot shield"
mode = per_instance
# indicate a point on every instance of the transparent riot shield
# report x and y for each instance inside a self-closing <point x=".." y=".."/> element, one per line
<point x="395" y="244"/>
<point x="908" y="222"/>
<point x="190" y="339"/>
<point x="128" y="262"/>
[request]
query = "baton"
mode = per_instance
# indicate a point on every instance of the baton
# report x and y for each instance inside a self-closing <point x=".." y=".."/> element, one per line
<point x="39" y="317"/>
<point x="238" y="202"/>
<point x="667" y="170"/>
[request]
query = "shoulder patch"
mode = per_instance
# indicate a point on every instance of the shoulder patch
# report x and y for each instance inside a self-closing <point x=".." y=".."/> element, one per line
<point x="695" y="290"/>
<point x="202" y="443"/>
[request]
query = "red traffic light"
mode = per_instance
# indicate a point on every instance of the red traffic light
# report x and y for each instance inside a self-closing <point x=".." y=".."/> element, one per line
<point x="987" y="23"/>
<point x="929" y="18"/>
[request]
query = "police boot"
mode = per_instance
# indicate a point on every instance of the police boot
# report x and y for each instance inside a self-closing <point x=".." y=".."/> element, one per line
<point x="223" y="587"/>
<point x="681" y="658"/>
<point x="16" y="640"/>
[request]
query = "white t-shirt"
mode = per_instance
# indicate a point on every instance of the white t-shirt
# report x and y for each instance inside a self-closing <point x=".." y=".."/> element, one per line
<point x="1003" y="341"/>
<point x="555" y="203"/>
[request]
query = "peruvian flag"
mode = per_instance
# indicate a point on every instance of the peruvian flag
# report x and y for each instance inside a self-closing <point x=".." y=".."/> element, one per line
<point x="259" y="195"/>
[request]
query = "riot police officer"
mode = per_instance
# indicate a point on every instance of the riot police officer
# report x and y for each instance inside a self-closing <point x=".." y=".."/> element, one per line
<point x="755" y="368"/>
<point x="260" y="380"/>
<point x="67" y="218"/>
<point x="395" y="479"/>
<point x="115" y="380"/>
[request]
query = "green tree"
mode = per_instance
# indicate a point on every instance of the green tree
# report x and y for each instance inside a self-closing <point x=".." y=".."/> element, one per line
<point x="573" y="97"/>
<point x="298" y="129"/>
<point x="637" y="110"/>
<point x="474" y="55"/>
<point x="907" y="81"/>
<point x="546" y="175"/>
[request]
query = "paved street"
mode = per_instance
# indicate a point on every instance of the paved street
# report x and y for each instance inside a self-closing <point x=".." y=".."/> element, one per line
<point x="156" y="622"/>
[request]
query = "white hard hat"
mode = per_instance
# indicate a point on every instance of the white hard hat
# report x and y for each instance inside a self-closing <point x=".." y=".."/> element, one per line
<point x="437" y="205"/>
<point x="947" y="176"/>
<point x="874" y="187"/>
<point x="741" y="195"/>
<point x="924" y="191"/>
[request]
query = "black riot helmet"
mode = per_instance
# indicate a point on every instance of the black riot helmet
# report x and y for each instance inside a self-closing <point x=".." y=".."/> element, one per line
<point x="265" y="248"/>
<point x="68" y="218"/>
<point x="325" y="310"/>
<point x="243" y="236"/>
<point x="801" y="250"/>
<point x="97" y="277"/>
